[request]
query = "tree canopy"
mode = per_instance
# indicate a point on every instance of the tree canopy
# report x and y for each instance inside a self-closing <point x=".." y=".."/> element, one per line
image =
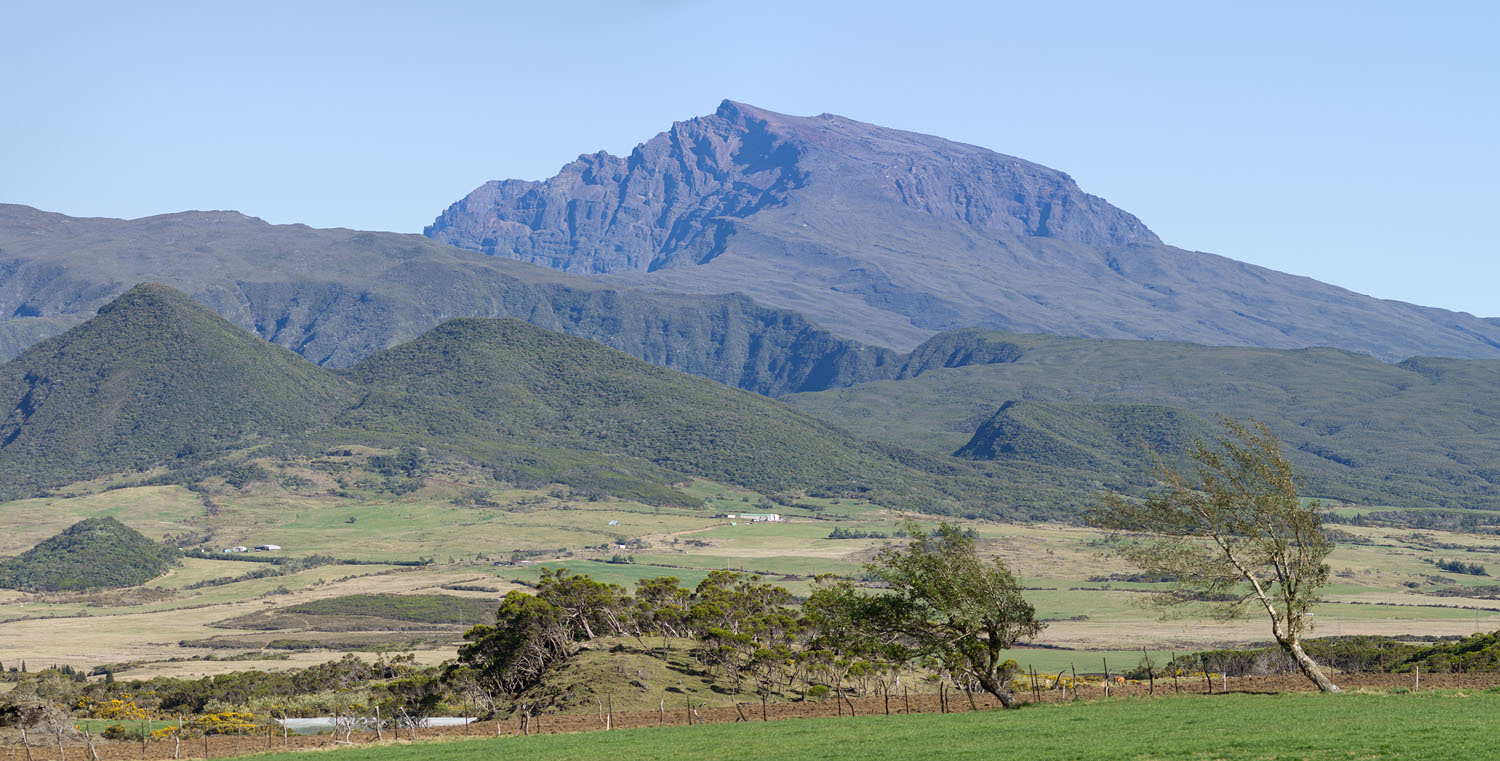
<point x="948" y="603"/>
<point x="1236" y="534"/>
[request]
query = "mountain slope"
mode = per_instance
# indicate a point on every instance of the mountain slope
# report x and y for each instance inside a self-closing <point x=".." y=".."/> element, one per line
<point x="887" y="237"/>
<point x="491" y="387"/>
<point x="1098" y="438"/>
<point x="335" y="296"/>
<point x="152" y="377"/>
<point x="1422" y="432"/>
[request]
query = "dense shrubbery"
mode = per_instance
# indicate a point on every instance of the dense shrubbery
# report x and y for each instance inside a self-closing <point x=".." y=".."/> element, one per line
<point x="546" y="408"/>
<point x="1459" y="566"/>
<point x="844" y="533"/>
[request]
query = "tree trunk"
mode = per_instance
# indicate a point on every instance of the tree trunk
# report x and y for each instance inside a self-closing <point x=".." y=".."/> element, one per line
<point x="1309" y="667"/>
<point x="996" y="688"/>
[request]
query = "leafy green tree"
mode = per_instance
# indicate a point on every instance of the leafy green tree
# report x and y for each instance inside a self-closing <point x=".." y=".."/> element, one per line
<point x="733" y="601"/>
<point x="1235" y="532"/>
<point x="661" y="606"/>
<point x="529" y="635"/>
<point x="948" y="603"/>
<point x="593" y="608"/>
<point x="745" y="626"/>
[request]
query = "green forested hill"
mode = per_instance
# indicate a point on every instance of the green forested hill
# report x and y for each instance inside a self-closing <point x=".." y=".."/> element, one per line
<point x="1421" y="432"/>
<point x="496" y="388"/>
<point x="154" y="376"/>
<point x="91" y="554"/>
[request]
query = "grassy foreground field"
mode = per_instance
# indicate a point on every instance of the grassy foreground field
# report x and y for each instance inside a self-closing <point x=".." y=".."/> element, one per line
<point x="1432" y="725"/>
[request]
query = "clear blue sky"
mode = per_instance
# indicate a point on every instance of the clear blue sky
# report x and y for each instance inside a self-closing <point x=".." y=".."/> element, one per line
<point x="1351" y="142"/>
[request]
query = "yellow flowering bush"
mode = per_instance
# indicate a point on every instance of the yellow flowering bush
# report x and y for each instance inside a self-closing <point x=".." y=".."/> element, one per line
<point x="165" y="733"/>
<point x="226" y="723"/>
<point x="123" y="707"/>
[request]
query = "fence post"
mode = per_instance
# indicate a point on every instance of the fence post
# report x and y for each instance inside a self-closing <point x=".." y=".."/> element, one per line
<point x="1150" y="672"/>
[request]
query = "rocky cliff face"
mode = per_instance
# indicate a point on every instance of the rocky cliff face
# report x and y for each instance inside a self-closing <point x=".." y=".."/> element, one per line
<point x="888" y="237"/>
<point x="667" y="204"/>
<point x="673" y="201"/>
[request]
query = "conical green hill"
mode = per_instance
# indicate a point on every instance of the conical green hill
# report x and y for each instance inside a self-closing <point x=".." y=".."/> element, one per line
<point x="153" y="376"/>
<point x="91" y="554"/>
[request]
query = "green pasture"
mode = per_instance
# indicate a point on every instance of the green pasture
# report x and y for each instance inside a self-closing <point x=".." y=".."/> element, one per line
<point x="1238" y="727"/>
<point x="151" y="510"/>
<point x="1059" y="661"/>
<point x="624" y="574"/>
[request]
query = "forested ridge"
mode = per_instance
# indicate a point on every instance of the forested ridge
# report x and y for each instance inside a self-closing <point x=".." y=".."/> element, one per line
<point x="157" y="380"/>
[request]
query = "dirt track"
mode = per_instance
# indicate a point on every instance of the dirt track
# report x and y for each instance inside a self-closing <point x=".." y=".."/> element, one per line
<point x="678" y="715"/>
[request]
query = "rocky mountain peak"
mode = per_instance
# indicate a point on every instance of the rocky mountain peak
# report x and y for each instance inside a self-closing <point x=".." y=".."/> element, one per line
<point x="675" y="200"/>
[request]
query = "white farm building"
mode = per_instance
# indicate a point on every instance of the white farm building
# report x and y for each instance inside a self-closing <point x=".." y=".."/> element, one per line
<point x="754" y="517"/>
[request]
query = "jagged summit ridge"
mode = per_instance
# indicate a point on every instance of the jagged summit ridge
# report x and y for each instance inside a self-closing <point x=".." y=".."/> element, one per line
<point x="888" y="237"/>
<point x="673" y="201"/>
<point x="957" y="181"/>
<point x="664" y="204"/>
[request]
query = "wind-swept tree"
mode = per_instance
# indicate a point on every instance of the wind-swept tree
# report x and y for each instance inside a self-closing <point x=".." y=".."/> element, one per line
<point x="661" y="606"/>
<point x="529" y="635"/>
<point x="1235" y="532"/>
<point x="947" y="602"/>
<point x="593" y="608"/>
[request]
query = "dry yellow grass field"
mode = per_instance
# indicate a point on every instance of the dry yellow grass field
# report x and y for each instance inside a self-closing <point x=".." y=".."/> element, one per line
<point x="1383" y="585"/>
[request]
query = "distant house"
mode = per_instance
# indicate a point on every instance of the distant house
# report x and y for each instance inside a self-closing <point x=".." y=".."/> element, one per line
<point x="614" y="523"/>
<point x="237" y="548"/>
<point x="267" y="547"/>
<point x="753" y="517"/>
